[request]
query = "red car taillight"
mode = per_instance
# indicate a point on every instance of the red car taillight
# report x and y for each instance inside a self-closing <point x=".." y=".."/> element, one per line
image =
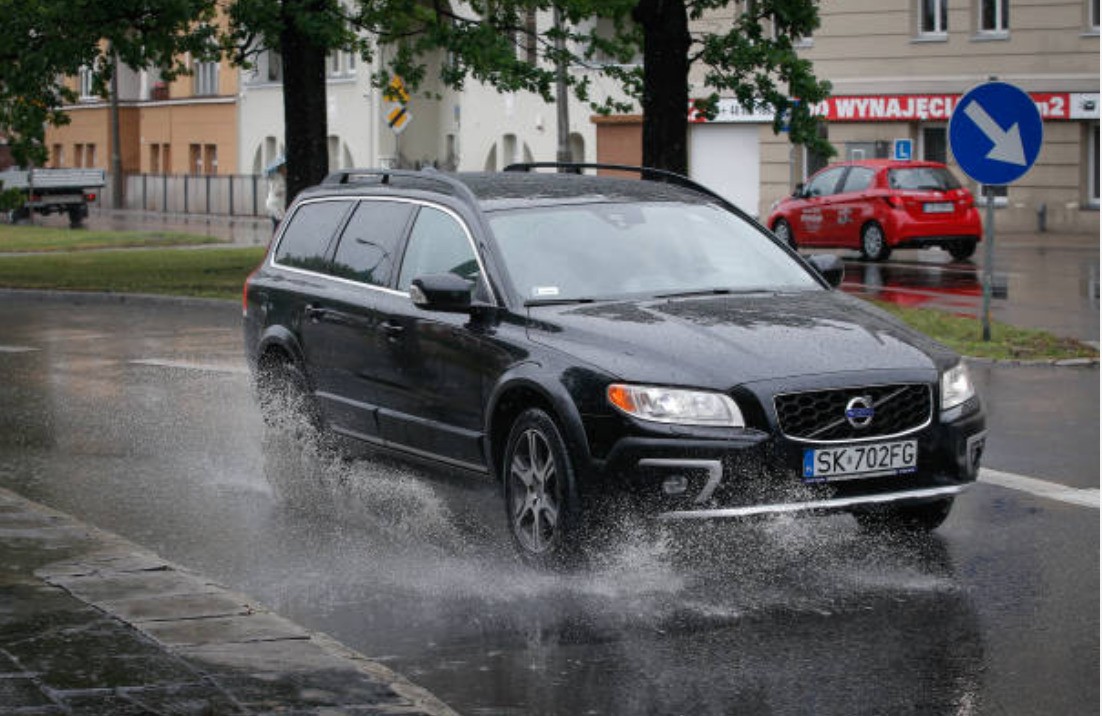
<point x="893" y="201"/>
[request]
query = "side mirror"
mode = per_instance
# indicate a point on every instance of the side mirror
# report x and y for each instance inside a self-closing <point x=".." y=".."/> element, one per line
<point x="441" y="292"/>
<point x="799" y="193"/>
<point x="829" y="267"/>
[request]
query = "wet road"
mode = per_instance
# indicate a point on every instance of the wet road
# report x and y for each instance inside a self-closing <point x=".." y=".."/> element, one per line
<point x="137" y="417"/>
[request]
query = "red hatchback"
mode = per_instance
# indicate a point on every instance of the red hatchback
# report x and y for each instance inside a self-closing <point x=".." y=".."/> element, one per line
<point x="876" y="205"/>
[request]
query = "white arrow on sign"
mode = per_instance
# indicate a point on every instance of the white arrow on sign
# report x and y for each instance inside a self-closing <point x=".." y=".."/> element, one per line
<point x="1008" y="144"/>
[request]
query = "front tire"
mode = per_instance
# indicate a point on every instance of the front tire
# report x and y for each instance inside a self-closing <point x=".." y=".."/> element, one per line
<point x="919" y="518"/>
<point x="783" y="231"/>
<point x="540" y="497"/>
<point x="874" y="245"/>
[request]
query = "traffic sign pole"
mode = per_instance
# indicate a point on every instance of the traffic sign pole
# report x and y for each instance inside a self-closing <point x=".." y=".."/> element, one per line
<point x="988" y="260"/>
<point x="995" y="133"/>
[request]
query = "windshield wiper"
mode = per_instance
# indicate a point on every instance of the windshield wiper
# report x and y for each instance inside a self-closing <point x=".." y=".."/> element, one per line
<point x="710" y="292"/>
<point x="556" y="301"/>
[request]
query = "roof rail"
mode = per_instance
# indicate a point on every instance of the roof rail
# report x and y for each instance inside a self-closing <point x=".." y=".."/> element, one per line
<point x="645" y="173"/>
<point x="385" y="176"/>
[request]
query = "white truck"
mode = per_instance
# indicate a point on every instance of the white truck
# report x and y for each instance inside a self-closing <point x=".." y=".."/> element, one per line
<point x="53" y="191"/>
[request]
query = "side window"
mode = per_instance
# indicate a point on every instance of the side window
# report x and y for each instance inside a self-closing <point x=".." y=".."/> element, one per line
<point x="858" y="179"/>
<point x="437" y="244"/>
<point x="825" y="183"/>
<point x="368" y="246"/>
<point x="308" y="234"/>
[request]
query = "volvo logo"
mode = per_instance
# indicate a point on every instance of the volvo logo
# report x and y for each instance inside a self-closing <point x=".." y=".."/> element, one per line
<point x="860" y="411"/>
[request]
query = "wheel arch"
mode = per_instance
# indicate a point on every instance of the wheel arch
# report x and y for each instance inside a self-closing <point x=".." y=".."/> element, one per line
<point x="517" y="392"/>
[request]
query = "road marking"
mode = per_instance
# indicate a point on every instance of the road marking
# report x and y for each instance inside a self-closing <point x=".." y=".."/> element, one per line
<point x="18" y="349"/>
<point x="189" y="365"/>
<point x="1041" y="488"/>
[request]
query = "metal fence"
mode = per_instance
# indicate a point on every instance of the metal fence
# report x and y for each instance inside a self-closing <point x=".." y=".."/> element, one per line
<point x="224" y="195"/>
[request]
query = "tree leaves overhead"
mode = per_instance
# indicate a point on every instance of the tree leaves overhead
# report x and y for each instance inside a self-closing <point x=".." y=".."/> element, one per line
<point x="42" y="41"/>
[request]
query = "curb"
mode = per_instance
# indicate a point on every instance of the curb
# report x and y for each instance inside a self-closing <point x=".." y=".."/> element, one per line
<point x="228" y="638"/>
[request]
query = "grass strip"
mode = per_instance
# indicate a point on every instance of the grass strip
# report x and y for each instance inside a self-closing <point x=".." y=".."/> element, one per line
<point x="45" y="239"/>
<point x="965" y="335"/>
<point x="207" y="273"/>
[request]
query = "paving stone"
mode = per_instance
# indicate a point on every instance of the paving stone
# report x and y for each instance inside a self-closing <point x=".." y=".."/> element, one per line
<point x="113" y="587"/>
<point x="180" y="606"/>
<point x="238" y="629"/>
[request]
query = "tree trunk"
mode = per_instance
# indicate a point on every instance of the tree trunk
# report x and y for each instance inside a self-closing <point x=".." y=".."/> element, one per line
<point x="304" y="111"/>
<point x="666" y="44"/>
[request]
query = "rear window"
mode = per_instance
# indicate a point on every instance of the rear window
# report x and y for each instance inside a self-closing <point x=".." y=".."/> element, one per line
<point x="922" y="179"/>
<point x="306" y="239"/>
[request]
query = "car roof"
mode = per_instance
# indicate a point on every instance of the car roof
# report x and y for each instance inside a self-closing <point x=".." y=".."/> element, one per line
<point x="496" y="191"/>
<point x="887" y="163"/>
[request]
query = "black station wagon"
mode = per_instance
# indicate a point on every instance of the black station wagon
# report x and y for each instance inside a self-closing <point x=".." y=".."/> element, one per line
<point x="576" y="337"/>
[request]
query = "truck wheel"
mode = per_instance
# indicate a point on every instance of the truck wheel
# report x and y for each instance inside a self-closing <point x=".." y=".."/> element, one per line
<point x="76" y="216"/>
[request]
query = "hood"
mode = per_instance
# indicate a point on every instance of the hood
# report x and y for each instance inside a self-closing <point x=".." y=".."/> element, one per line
<point x="722" y="341"/>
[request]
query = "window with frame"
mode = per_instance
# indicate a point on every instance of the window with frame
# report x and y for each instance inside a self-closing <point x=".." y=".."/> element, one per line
<point x="994" y="16"/>
<point x="858" y="179"/>
<point x="87" y="87"/>
<point x="305" y="241"/>
<point x="369" y="244"/>
<point x="935" y="144"/>
<point x="933" y="17"/>
<point x="824" y="184"/>
<point x="205" y="79"/>
<point x="1092" y="15"/>
<point x="1092" y="166"/>
<point x="437" y="244"/>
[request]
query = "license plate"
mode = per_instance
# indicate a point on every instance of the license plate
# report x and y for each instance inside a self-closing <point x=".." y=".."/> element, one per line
<point x="854" y="461"/>
<point x="938" y="207"/>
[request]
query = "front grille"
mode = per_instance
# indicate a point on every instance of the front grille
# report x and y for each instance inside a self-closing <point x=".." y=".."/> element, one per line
<point x="820" y="415"/>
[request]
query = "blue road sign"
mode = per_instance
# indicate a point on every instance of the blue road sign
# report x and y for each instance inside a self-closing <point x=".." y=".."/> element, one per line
<point x="904" y="150"/>
<point x="995" y="133"/>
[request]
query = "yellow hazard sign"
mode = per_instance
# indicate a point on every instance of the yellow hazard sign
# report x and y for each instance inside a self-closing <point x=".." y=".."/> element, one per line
<point x="396" y="91"/>
<point x="398" y="118"/>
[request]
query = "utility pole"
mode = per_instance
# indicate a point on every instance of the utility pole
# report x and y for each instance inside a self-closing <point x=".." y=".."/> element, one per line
<point x="116" y="151"/>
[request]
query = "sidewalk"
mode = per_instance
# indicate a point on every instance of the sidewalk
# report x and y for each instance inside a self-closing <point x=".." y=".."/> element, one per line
<point x="92" y="624"/>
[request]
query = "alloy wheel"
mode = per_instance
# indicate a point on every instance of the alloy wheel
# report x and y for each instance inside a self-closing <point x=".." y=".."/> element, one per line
<point x="535" y="504"/>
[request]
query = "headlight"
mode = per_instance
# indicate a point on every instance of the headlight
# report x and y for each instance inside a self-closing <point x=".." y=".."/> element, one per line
<point x="672" y="405"/>
<point x="956" y="386"/>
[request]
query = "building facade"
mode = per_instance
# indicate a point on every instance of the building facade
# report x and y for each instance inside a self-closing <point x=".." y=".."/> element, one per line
<point x="898" y="67"/>
<point x="184" y="126"/>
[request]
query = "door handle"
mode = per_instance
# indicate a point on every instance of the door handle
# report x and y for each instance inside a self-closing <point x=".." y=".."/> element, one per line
<point x="315" y="312"/>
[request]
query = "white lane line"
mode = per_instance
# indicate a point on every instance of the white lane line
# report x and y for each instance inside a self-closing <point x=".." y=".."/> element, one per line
<point x="1041" y="488"/>
<point x="189" y="365"/>
<point x="18" y="349"/>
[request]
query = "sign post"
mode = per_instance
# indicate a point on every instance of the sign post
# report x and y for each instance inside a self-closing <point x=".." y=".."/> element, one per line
<point x="995" y="133"/>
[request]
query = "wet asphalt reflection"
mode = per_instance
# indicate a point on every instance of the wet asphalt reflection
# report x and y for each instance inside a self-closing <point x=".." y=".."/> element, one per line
<point x="996" y="614"/>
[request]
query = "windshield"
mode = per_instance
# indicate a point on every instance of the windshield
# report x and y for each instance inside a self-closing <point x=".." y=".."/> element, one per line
<point x="609" y="251"/>
<point x="922" y="179"/>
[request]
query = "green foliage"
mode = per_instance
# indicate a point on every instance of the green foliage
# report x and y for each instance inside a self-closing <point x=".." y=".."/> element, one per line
<point x="42" y="40"/>
<point x="11" y="199"/>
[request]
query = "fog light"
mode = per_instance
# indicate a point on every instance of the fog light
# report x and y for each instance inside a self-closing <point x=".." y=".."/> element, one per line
<point x="675" y="484"/>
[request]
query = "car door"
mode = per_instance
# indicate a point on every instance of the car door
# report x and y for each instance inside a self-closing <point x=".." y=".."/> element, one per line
<point x="302" y="284"/>
<point x="816" y="217"/>
<point x="346" y="320"/>
<point x="852" y="206"/>
<point x="435" y="368"/>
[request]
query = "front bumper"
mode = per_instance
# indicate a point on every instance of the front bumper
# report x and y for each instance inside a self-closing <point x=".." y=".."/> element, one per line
<point x="760" y="474"/>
